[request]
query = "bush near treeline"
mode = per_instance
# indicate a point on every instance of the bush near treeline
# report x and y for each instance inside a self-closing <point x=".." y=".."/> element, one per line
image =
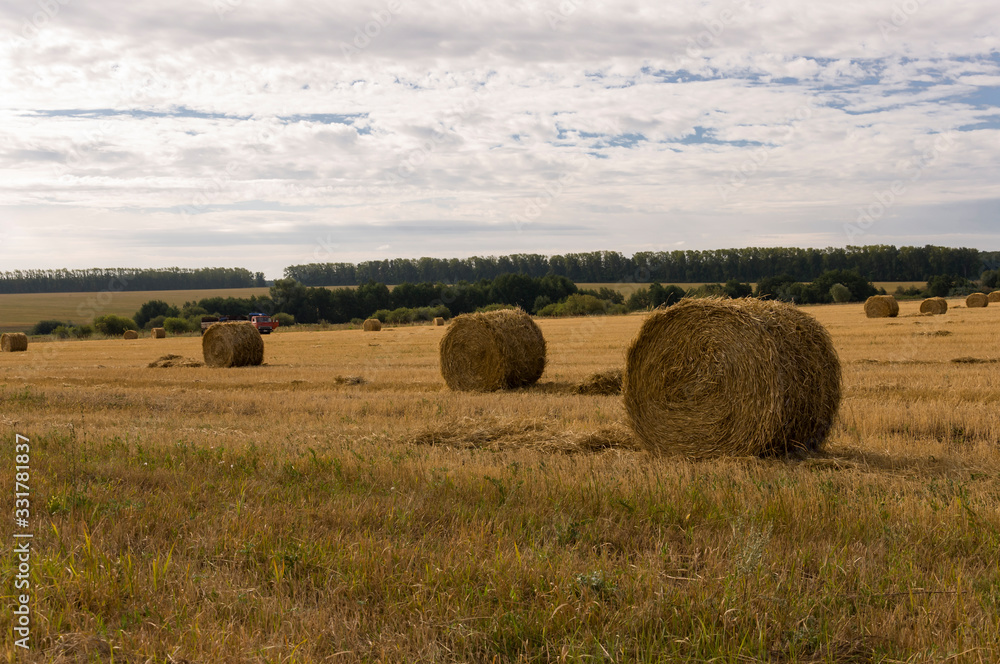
<point x="750" y="264"/>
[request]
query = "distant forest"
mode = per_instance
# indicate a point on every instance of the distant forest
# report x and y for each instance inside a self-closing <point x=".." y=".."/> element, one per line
<point x="752" y="264"/>
<point x="127" y="279"/>
<point x="875" y="262"/>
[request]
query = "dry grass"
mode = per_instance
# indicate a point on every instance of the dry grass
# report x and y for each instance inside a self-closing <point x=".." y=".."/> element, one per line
<point x="170" y="361"/>
<point x="278" y="514"/>
<point x="602" y="382"/>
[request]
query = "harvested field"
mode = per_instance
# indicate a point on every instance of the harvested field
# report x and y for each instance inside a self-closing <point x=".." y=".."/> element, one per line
<point x="289" y="513"/>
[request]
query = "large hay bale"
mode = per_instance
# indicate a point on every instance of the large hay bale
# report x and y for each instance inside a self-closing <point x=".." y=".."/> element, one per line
<point x="371" y="325"/>
<point x="232" y="344"/>
<point x="881" y="306"/>
<point x="977" y="300"/>
<point x="994" y="296"/>
<point x="13" y="342"/>
<point x="934" y="305"/>
<point x="710" y="377"/>
<point x="491" y="351"/>
<point x="439" y="321"/>
<point x="130" y="334"/>
<point x="159" y="333"/>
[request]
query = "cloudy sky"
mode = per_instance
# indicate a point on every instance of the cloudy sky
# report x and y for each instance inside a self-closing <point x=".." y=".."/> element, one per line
<point x="264" y="134"/>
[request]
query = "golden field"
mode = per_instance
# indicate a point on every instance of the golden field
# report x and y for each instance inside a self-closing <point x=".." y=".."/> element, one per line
<point x="289" y="513"/>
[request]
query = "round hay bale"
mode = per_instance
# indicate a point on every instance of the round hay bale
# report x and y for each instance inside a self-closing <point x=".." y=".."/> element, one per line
<point x="130" y="334"/>
<point x="977" y="300"/>
<point x="159" y="333"/>
<point x="13" y="342"/>
<point x="881" y="306"/>
<point x="711" y="377"/>
<point x="439" y="321"/>
<point x="232" y="344"/>
<point x="490" y="351"/>
<point x="371" y="325"/>
<point x="934" y="305"/>
<point x="994" y="296"/>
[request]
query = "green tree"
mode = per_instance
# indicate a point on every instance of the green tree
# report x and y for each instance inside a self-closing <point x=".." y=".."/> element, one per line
<point x="114" y="326"/>
<point x="152" y="309"/>
<point x="840" y="293"/>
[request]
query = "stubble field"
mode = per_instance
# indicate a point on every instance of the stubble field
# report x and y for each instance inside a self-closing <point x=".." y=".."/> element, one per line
<point x="292" y="513"/>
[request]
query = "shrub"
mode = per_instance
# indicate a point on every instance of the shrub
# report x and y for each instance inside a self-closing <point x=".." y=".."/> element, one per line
<point x="83" y="331"/>
<point x="400" y="315"/>
<point x="840" y="293"/>
<point x="61" y="332"/>
<point x="114" y="326"/>
<point x="46" y="326"/>
<point x="382" y="315"/>
<point x="541" y="302"/>
<point x="154" y="309"/>
<point x="153" y="322"/>
<point x="284" y="320"/>
<point x="176" y="325"/>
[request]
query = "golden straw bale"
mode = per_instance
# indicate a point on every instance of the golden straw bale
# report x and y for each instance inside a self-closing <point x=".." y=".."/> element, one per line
<point x="371" y="325"/>
<point x="159" y="333"/>
<point x="13" y="342"/>
<point x="490" y="351"/>
<point x="881" y="306"/>
<point x="977" y="300"/>
<point x="994" y="296"/>
<point x="232" y="344"/>
<point x="130" y="334"/>
<point x="710" y="377"/>
<point x="934" y="305"/>
<point x="439" y="321"/>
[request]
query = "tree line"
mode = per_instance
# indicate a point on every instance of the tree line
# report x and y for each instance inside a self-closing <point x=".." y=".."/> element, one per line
<point x="127" y="279"/>
<point x="750" y="264"/>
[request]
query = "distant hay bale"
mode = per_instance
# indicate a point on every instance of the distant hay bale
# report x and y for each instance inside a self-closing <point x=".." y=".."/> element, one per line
<point x="372" y="325"/>
<point x="994" y="296"/>
<point x="232" y="344"/>
<point x="13" y="342"/>
<point x="159" y="333"/>
<point x="977" y="300"/>
<point x="881" y="306"/>
<point x="130" y="334"/>
<point x="439" y="321"/>
<point x="711" y="377"/>
<point x="934" y="305"/>
<point x="602" y="382"/>
<point x="490" y="351"/>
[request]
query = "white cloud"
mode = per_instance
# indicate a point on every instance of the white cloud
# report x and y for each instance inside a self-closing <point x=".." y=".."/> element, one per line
<point x="721" y="123"/>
